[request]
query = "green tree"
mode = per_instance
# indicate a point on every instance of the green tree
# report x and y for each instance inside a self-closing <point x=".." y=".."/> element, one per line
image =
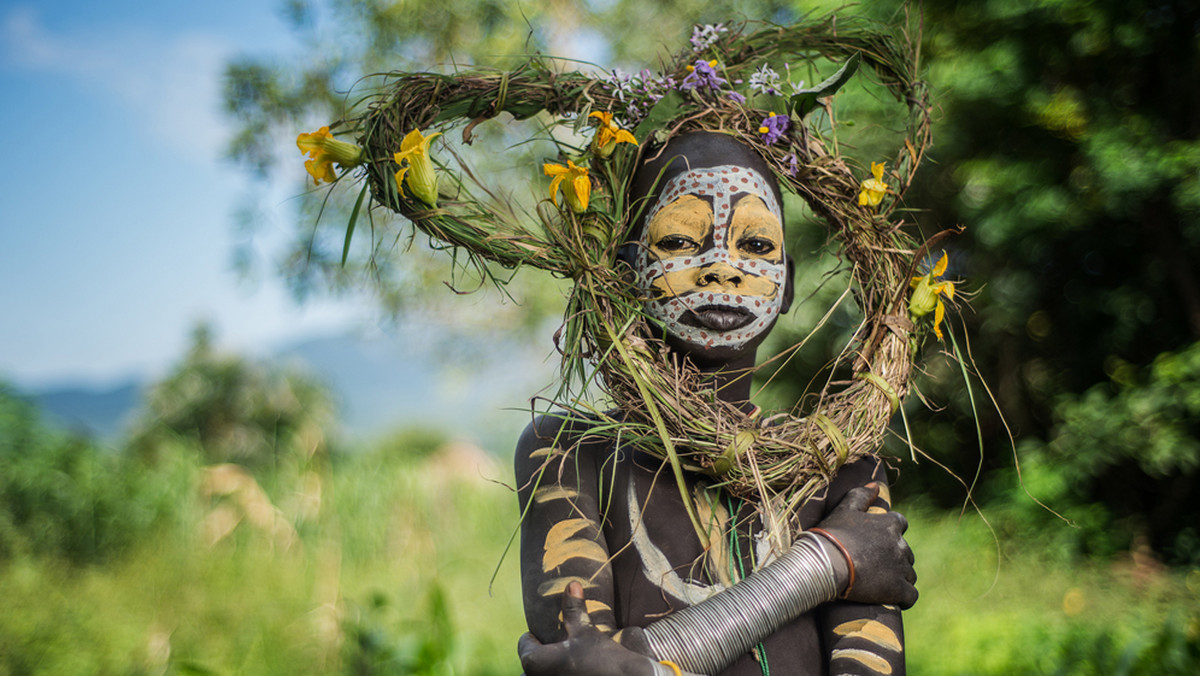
<point x="62" y="496"/>
<point x="262" y="416"/>
<point x="1069" y="147"/>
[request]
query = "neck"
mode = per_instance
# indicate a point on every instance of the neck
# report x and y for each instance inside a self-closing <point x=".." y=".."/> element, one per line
<point x="731" y="379"/>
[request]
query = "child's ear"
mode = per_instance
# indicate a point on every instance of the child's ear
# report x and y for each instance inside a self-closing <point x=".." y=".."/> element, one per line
<point x="789" y="284"/>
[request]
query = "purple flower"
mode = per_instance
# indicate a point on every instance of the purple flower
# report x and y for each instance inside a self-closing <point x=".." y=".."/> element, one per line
<point x="793" y="164"/>
<point x="702" y="73"/>
<point x="736" y="97"/>
<point x="773" y="128"/>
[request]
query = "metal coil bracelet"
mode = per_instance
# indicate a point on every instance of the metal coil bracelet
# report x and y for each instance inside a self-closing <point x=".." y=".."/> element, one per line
<point x="709" y="636"/>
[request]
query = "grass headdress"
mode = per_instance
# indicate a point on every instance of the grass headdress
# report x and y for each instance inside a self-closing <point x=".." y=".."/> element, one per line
<point x="726" y="81"/>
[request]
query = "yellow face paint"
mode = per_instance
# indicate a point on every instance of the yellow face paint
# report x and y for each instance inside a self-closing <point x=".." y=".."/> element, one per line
<point x="680" y="228"/>
<point x="755" y="232"/>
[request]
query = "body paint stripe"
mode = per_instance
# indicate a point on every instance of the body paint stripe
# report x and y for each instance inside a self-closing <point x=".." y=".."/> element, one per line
<point x="594" y="607"/>
<point x="885" y="494"/>
<point x="871" y="630"/>
<point x="867" y="659"/>
<point x="604" y="628"/>
<point x="554" y="493"/>
<point x="558" y="584"/>
<point x="560" y="553"/>
<point x="565" y="530"/>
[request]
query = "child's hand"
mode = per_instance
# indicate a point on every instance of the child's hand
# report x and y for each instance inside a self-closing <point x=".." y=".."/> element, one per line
<point x="873" y="538"/>
<point x="587" y="650"/>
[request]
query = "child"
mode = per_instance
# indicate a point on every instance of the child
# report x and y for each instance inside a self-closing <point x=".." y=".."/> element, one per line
<point x="607" y="541"/>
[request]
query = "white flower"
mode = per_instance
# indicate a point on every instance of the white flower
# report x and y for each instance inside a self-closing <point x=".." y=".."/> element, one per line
<point x="622" y="83"/>
<point x="764" y="80"/>
<point x="704" y="36"/>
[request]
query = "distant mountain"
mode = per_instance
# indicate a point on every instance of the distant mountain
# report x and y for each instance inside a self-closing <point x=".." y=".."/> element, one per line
<point x="99" y="412"/>
<point x="468" y="384"/>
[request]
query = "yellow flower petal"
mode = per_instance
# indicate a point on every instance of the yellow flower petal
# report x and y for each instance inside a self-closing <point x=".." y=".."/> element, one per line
<point x="873" y="190"/>
<point x="325" y="150"/>
<point x="311" y="144"/>
<point x="583" y="190"/>
<point x="927" y="294"/>
<point x="400" y="176"/>
<point x="422" y="179"/>
<point x="939" y="268"/>
<point x="608" y="135"/>
<point x="578" y="189"/>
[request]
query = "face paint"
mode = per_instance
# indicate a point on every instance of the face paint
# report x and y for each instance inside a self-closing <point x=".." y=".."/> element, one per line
<point x="711" y="256"/>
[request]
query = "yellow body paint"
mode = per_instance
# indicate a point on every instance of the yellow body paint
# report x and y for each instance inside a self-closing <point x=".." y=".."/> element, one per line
<point x="871" y="630"/>
<point x="867" y="659"/>
<point x="556" y="492"/>
<point x="885" y="494"/>
<point x="557" y="554"/>
<point x="679" y="282"/>
<point x="559" y="584"/>
<point x="542" y="452"/>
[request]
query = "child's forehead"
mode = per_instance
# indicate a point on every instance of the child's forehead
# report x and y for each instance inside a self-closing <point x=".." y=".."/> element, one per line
<point x="721" y="184"/>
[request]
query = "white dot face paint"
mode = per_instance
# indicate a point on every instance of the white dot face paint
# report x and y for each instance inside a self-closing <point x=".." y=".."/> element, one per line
<point x="711" y="257"/>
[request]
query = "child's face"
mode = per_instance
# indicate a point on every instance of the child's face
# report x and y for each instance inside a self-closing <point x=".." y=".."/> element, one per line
<point x="711" y="258"/>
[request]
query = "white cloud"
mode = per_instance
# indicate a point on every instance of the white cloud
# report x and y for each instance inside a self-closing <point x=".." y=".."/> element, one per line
<point x="171" y="82"/>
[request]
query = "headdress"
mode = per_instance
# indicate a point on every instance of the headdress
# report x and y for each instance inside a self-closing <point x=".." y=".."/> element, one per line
<point x="726" y="81"/>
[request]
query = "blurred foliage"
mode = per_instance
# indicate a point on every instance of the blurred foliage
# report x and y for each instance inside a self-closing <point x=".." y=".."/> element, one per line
<point x="261" y="416"/>
<point x="372" y="648"/>
<point x="65" y="497"/>
<point x="1068" y="144"/>
<point x="1000" y="606"/>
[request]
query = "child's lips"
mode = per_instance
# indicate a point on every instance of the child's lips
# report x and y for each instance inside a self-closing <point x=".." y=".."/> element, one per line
<point x="719" y="317"/>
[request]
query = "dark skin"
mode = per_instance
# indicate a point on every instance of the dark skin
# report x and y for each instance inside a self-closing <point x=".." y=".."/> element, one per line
<point x="607" y="547"/>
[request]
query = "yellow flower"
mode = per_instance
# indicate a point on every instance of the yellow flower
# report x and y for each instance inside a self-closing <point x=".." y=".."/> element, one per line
<point x="873" y="189"/>
<point x="580" y="186"/>
<point x="419" y="173"/>
<point x="927" y="293"/>
<point x="324" y="150"/>
<point x="608" y="135"/>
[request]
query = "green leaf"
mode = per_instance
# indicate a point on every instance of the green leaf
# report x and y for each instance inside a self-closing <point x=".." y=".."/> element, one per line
<point x="663" y="112"/>
<point x="803" y="101"/>
<point x="769" y="103"/>
<point x="353" y="220"/>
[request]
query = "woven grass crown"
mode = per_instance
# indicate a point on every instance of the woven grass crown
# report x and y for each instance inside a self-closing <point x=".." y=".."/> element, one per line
<point x="726" y="81"/>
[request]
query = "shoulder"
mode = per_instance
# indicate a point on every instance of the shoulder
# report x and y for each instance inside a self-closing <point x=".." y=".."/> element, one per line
<point x="867" y="469"/>
<point x="852" y="475"/>
<point x="544" y="435"/>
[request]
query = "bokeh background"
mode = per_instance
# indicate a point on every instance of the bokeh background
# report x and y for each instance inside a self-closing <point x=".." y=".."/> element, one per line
<point x="224" y="452"/>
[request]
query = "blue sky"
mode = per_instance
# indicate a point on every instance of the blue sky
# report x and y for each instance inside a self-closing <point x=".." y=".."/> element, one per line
<point x="118" y="229"/>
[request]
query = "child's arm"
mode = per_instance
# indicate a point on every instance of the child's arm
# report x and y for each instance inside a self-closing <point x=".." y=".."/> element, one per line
<point x="561" y="538"/>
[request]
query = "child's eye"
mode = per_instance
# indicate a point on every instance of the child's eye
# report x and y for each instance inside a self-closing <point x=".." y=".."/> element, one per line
<point x="676" y="243"/>
<point x="757" y="246"/>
